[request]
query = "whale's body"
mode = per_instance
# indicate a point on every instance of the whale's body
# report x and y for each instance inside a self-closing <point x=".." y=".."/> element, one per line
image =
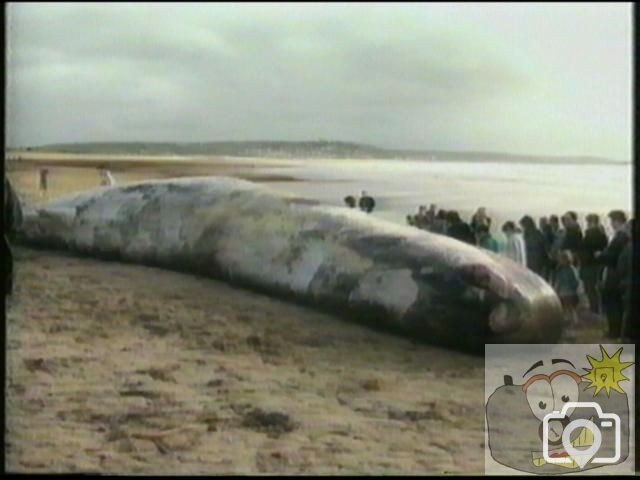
<point x="335" y="258"/>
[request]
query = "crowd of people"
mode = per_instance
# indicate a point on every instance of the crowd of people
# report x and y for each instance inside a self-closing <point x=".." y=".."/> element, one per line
<point x="577" y="263"/>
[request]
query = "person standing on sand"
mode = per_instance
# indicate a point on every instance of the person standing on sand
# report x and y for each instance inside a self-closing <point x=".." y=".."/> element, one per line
<point x="480" y="218"/>
<point x="594" y="241"/>
<point x="484" y="238"/>
<point x="458" y="229"/>
<point x="106" y="179"/>
<point x="420" y="219"/>
<point x="366" y="203"/>
<point x="573" y="234"/>
<point x="350" y="201"/>
<point x="411" y="220"/>
<point x="611" y="290"/>
<point x="514" y="247"/>
<point x="556" y="239"/>
<point x="439" y="224"/>
<point x="431" y="214"/>
<point x="535" y="245"/>
<point x="566" y="285"/>
<point x="629" y="327"/>
<point x="547" y="232"/>
<point x="43" y="179"/>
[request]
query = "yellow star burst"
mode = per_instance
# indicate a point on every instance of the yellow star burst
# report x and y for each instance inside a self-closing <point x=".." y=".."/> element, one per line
<point x="607" y="372"/>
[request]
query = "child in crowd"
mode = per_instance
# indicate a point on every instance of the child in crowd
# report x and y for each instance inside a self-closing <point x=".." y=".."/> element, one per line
<point x="566" y="285"/>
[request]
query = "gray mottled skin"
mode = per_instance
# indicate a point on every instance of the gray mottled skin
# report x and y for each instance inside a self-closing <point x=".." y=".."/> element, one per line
<point x="335" y="258"/>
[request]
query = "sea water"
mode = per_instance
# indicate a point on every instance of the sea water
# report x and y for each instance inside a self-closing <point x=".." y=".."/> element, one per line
<point x="507" y="190"/>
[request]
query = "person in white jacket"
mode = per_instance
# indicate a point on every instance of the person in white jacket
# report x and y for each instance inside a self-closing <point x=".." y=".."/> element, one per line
<point x="514" y="247"/>
<point x="106" y="179"/>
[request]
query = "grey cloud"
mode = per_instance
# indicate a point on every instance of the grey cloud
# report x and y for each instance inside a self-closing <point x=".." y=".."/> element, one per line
<point x="415" y="76"/>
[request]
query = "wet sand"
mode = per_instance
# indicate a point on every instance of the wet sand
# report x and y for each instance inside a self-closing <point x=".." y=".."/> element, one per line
<point x="119" y="368"/>
<point x="70" y="173"/>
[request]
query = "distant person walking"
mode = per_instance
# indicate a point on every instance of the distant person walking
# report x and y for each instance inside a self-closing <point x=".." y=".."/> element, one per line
<point x="594" y="241"/>
<point x="514" y="247"/>
<point x="106" y="179"/>
<point x="535" y="245"/>
<point x="366" y="203"/>
<point x="611" y="289"/>
<point x="43" y="181"/>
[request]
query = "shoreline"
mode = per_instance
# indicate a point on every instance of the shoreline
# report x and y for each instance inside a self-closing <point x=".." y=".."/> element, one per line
<point x="132" y="159"/>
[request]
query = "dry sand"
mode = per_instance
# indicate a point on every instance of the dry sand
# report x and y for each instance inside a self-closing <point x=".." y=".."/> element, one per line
<point x="116" y="368"/>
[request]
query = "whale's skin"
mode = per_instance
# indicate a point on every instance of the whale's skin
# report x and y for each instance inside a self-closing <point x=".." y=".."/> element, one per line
<point x="330" y="257"/>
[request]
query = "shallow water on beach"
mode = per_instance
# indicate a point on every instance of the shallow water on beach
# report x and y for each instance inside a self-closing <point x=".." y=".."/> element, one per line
<point x="508" y="191"/>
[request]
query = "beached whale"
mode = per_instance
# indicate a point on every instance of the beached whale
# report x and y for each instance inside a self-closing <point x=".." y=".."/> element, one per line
<point x="334" y="258"/>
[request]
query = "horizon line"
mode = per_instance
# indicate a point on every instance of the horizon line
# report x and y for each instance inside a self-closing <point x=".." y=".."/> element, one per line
<point x="361" y="144"/>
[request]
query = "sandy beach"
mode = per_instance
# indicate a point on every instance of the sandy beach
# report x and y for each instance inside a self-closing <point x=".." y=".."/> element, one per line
<point x="119" y="368"/>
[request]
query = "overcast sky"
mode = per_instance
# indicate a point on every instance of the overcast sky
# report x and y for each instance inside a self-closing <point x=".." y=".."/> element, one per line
<point x="538" y="78"/>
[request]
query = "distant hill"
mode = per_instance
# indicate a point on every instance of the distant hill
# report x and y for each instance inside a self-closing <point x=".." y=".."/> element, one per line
<point x="309" y="149"/>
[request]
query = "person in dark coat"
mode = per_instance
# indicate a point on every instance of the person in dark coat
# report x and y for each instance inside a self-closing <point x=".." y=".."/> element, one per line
<point x="555" y="237"/>
<point x="544" y="225"/>
<point x="480" y="218"/>
<point x="594" y="241"/>
<point x="421" y="220"/>
<point x="366" y="203"/>
<point x="554" y="223"/>
<point x="458" y="229"/>
<point x="611" y="289"/>
<point x="629" y="328"/>
<point x="535" y="245"/>
<point x="431" y="215"/>
<point x="350" y="201"/>
<point x="572" y="234"/>
<point x="566" y="285"/>
<point x="43" y="175"/>
<point x="439" y="224"/>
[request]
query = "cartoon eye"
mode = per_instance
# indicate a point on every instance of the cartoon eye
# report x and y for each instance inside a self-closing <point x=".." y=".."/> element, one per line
<point x="565" y="389"/>
<point x="540" y="398"/>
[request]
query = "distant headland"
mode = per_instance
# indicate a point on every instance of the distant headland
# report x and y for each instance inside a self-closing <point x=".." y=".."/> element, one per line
<point x="302" y="149"/>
